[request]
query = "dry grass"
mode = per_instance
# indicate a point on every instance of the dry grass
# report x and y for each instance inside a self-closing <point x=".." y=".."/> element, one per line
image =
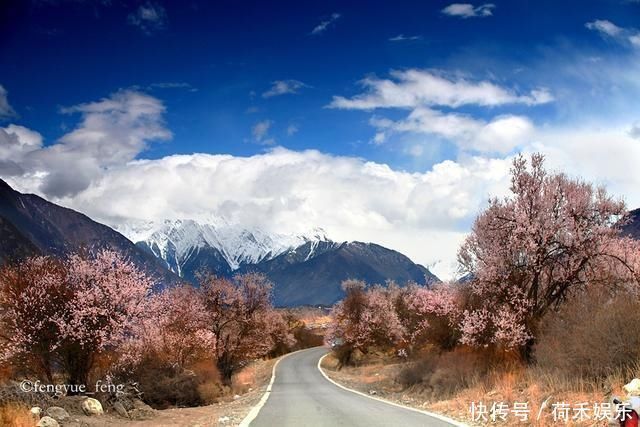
<point x="248" y="378"/>
<point x="13" y="415"/>
<point x="511" y="383"/>
<point x="535" y="386"/>
<point x="594" y="335"/>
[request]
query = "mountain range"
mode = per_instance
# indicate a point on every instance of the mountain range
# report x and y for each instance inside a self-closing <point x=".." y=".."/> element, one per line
<point x="306" y="269"/>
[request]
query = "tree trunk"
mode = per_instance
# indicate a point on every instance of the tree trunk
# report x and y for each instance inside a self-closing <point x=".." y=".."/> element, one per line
<point x="225" y="366"/>
<point x="78" y="363"/>
<point x="526" y="351"/>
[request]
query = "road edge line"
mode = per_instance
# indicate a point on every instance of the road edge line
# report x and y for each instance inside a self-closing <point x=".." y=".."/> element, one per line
<point x="388" y="402"/>
<point x="253" y="413"/>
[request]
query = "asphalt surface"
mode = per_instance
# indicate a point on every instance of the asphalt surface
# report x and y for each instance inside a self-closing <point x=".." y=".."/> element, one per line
<point x="301" y="396"/>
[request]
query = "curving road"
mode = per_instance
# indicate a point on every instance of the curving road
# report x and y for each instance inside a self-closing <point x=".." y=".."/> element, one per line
<point x="301" y="396"/>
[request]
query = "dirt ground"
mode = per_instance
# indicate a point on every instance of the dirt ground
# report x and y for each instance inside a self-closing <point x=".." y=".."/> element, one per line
<point x="227" y="413"/>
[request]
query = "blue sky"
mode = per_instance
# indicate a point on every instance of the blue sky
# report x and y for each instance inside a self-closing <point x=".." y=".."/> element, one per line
<point x="64" y="53"/>
<point x="436" y="92"/>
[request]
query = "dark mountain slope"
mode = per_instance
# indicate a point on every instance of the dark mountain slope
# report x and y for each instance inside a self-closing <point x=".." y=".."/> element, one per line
<point x="33" y="225"/>
<point x="316" y="279"/>
<point x="632" y="226"/>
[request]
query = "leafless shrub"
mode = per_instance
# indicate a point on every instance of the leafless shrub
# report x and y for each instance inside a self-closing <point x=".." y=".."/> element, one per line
<point x="592" y="335"/>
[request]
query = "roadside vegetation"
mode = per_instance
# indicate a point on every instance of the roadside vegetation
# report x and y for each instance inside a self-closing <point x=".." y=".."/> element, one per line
<point x="546" y="312"/>
<point x="87" y="320"/>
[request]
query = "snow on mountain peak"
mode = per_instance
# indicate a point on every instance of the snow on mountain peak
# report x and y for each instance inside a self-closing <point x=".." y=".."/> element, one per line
<point x="178" y="238"/>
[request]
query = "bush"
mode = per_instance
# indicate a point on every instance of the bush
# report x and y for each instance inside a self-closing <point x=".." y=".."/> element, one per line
<point x="168" y="384"/>
<point x="210" y="388"/>
<point x="441" y="375"/>
<point x="163" y="385"/>
<point x="591" y="335"/>
<point x="414" y="373"/>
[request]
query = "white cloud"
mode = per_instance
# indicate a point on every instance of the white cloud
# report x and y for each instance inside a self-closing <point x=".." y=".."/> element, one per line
<point x="467" y="10"/>
<point x="605" y="27"/>
<point x="598" y="154"/>
<point x="96" y="169"/>
<point x="150" y="17"/>
<point x="413" y="88"/>
<point x="610" y="30"/>
<point x="6" y="110"/>
<point x="500" y="135"/>
<point x="421" y="90"/>
<point x="325" y="24"/>
<point x="112" y="131"/>
<point x="15" y="143"/>
<point x="282" y="87"/>
<point x="260" y="132"/>
<point x="403" y="38"/>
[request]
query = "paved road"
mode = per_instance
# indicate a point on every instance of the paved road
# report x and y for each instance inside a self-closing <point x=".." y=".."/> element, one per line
<point x="302" y="397"/>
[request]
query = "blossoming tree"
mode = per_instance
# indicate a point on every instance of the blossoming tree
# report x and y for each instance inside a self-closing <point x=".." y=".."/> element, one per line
<point x="528" y="252"/>
<point x="241" y="319"/>
<point x="67" y="312"/>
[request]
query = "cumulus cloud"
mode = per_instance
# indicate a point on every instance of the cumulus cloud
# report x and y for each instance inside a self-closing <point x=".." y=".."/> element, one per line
<point x="283" y="87"/>
<point x="610" y="30"/>
<point x="500" y="135"/>
<point x="111" y="132"/>
<point x="421" y="90"/>
<point x="605" y="27"/>
<point x="15" y="143"/>
<point x="325" y="24"/>
<point x="413" y="88"/>
<point x="6" y="110"/>
<point x="467" y="10"/>
<point x="150" y="17"/>
<point x="260" y="132"/>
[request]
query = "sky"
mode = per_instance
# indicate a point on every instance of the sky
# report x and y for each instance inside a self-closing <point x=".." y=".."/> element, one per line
<point x="386" y="122"/>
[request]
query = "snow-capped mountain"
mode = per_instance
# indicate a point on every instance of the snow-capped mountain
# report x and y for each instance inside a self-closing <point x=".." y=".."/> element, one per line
<point x="305" y="268"/>
<point x="183" y="243"/>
